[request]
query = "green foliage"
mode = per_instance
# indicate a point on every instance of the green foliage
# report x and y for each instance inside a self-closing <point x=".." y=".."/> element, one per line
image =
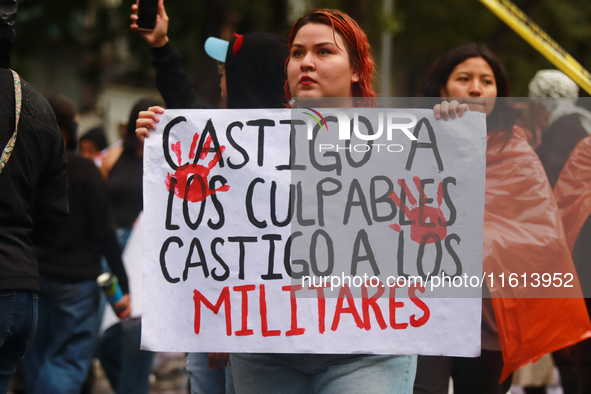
<point x="97" y="33"/>
<point x="432" y="27"/>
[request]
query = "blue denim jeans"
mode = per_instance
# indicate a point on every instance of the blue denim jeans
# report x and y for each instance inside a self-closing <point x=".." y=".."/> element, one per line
<point x="126" y="366"/>
<point x="205" y="380"/>
<point x="322" y="373"/>
<point x="18" y="323"/>
<point x="62" y="351"/>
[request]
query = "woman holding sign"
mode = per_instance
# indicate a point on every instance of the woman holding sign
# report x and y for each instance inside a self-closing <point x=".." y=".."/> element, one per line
<point x="522" y="234"/>
<point x="329" y="56"/>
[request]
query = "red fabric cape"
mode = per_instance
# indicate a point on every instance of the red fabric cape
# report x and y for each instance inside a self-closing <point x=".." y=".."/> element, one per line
<point x="573" y="191"/>
<point x="523" y="234"/>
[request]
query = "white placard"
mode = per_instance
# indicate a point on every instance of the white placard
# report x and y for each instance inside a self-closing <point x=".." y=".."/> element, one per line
<point x="225" y="255"/>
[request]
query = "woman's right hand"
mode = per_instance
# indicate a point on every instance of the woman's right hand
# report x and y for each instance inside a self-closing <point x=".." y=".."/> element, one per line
<point x="124" y="306"/>
<point x="147" y="120"/>
<point x="449" y="109"/>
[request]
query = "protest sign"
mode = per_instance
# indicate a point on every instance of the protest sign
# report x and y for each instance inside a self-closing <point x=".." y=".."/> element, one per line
<point x="313" y="231"/>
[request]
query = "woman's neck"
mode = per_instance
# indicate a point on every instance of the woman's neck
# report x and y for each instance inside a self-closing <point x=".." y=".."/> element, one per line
<point x="323" y="102"/>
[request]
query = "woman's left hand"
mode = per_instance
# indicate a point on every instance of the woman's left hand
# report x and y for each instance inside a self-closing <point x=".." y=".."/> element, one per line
<point x="448" y="109"/>
<point x="218" y="360"/>
<point x="124" y="305"/>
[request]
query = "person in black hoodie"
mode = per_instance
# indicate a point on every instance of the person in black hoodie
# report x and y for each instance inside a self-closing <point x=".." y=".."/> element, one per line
<point x="33" y="201"/>
<point x="62" y="352"/>
<point x="252" y="68"/>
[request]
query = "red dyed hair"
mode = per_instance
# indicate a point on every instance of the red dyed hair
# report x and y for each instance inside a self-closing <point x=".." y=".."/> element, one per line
<point x="358" y="48"/>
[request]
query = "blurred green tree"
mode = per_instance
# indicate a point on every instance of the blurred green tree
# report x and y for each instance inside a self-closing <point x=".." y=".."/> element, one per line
<point x="83" y="45"/>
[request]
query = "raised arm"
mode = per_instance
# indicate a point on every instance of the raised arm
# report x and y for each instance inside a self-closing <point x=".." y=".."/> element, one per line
<point x="172" y="81"/>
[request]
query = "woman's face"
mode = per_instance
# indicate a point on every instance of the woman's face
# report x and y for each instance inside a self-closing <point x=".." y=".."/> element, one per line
<point x="473" y="80"/>
<point x="318" y="65"/>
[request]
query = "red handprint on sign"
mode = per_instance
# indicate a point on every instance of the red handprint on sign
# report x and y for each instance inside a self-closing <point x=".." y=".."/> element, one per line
<point x="191" y="178"/>
<point x="427" y="221"/>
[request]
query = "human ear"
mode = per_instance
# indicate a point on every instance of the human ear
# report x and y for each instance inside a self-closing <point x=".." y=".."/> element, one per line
<point x="355" y="75"/>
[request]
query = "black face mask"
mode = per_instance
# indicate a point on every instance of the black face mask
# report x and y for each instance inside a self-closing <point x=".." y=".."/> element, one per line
<point x="8" y="10"/>
<point x="4" y="54"/>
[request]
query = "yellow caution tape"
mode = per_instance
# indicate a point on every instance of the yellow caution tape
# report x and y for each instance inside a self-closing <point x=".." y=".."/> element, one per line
<point x="542" y="42"/>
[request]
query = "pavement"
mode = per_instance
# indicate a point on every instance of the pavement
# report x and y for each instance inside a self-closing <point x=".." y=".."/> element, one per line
<point x="170" y="377"/>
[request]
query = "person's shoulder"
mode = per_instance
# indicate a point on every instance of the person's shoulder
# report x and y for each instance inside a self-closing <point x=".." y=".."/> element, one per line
<point x="518" y="142"/>
<point x="512" y="151"/>
<point x="503" y="142"/>
<point x="36" y="110"/>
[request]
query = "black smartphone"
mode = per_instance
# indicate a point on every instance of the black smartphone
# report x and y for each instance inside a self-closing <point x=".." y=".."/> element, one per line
<point x="147" y="11"/>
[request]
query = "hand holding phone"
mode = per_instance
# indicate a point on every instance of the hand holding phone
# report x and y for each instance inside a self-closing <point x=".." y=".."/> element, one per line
<point x="156" y="36"/>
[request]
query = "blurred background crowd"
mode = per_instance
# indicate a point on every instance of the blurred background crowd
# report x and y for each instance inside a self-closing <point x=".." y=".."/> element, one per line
<point x="85" y="49"/>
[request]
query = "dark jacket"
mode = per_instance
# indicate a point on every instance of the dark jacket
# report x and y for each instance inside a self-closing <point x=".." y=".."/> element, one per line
<point x="33" y="185"/>
<point x="75" y="253"/>
<point x="172" y="81"/>
<point x="558" y="141"/>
